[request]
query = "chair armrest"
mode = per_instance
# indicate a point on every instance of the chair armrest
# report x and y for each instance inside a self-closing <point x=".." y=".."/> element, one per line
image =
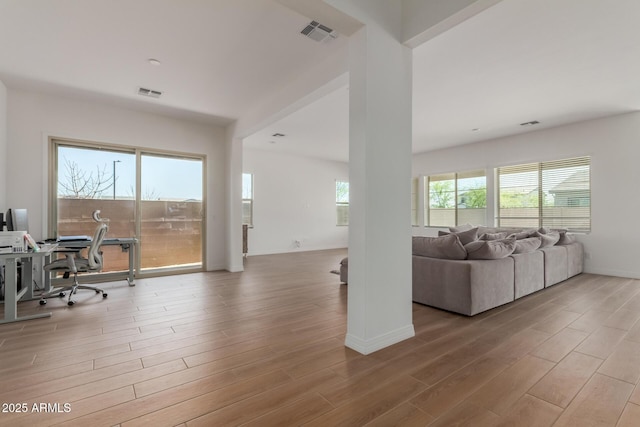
<point x="71" y="263"/>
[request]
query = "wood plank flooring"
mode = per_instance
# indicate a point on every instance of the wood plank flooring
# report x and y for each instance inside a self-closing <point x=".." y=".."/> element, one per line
<point x="265" y="347"/>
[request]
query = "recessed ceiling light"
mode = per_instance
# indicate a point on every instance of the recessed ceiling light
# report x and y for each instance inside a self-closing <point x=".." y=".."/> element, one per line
<point x="278" y="135"/>
<point x="154" y="62"/>
<point x="531" y="123"/>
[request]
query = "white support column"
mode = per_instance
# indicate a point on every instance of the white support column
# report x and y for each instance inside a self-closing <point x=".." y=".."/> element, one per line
<point x="233" y="221"/>
<point x="379" y="306"/>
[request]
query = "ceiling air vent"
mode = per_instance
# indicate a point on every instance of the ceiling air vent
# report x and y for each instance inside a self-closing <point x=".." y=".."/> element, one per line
<point x="318" y="32"/>
<point x="149" y="92"/>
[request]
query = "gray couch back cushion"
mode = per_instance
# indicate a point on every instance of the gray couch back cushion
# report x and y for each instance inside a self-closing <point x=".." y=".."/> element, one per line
<point x="490" y="249"/>
<point x="443" y="247"/>
<point x="527" y="245"/>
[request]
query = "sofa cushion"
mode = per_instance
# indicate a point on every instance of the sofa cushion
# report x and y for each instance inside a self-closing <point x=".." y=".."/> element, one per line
<point x="527" y="245"/>
<point x="524" y="234"/>
<point x="490" y="249"/>
<point x="566" y="238"/>
<point x="548" y="239"/>
<point x="444" y="247"/>
<point x="494" y="236"/>
<point x="483" y="229"/>
<point x="465" y="237"/>
<point x="459" y="228"/>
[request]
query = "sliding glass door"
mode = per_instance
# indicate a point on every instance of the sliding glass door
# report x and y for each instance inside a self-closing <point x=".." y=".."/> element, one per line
<point x="155" y="197"/>
<point x="171" y="231"/>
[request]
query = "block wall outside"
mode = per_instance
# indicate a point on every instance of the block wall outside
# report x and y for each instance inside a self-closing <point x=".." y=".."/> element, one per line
<point x="171" y="231"/>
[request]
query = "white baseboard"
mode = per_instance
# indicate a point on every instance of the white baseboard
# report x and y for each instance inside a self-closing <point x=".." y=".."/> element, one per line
<point x="368" y="346"/>
<point x="233" y="268"/>
<point x="616" y="273"/>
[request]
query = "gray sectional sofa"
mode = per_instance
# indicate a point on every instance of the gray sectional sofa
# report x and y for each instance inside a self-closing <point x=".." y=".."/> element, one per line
<point x="475" y="269"/>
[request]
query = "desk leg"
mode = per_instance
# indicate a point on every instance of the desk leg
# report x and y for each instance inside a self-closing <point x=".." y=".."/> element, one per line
<point x="131" y="260"/>
<point x="27" y="277"/>
<point x="10" y="290"/>
<point x="46" y="276"/>
<point x="11" y="295"/>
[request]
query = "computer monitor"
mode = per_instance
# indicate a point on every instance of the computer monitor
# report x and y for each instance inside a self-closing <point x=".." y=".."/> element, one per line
<point x="17" y="220"/>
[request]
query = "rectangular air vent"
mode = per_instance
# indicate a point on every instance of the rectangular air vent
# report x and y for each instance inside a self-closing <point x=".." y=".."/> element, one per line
<point x="149" y="92"/>
<point x="318" y="32"/>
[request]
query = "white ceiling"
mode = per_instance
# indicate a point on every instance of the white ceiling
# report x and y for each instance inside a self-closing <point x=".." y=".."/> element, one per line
<point x="555" y="61"/>
<point x="219" y="58"/>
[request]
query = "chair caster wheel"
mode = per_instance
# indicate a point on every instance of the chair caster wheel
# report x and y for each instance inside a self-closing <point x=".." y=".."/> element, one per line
<point x="104" y="295"/>
<point x="71" y="302"/>
<point x="97" y="291"/>
<point x="61" y="294"/>
<point x="43" y="301"/>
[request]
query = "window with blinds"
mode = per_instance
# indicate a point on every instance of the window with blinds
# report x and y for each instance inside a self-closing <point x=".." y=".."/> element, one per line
<point x="456" y="198"/>
<point x="247" y="199"/>
<point x="555" y="194"/>
<point x="342" y="203"/>
<point x="414" y="201"/>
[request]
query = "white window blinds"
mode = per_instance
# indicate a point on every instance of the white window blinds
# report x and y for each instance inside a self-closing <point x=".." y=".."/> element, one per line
<point x="555" y="194"/>
<point x="342" y="203"/>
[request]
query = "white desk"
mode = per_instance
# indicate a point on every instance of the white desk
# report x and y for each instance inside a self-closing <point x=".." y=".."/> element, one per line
<point x="11" y="294"/>
<point x="128" y="244"/>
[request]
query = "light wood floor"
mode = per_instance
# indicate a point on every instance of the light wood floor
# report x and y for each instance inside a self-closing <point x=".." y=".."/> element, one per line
<point x="266" y="348"/>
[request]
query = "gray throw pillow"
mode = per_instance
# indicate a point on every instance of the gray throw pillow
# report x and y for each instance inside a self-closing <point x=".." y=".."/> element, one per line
<point x="490" y="249"/>
<point x="548" y="239"/>
<point x="530" y="244"/>
<point x="459" y="228"/>
<point x="524" y="234"/>
<point x="566" y="238"/>
<point x="494" y="236"/>
<point x="465" y="237"/>
<point x="443" y="247"/>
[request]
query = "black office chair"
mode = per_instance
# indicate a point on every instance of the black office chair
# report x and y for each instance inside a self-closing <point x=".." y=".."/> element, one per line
<point x="74" y="263"/>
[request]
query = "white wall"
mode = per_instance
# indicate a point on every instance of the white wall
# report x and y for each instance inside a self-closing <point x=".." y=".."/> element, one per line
<point x="294" y="199"/>
<point x="32" y="117"/>
<point x="3" y="148"/>
<point x="612" y="143"/>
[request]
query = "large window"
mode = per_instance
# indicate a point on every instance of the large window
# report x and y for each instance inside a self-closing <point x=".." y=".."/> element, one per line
<point x="134" y="191"/>
<point x="456" y="198"/>
<point x="415" y="185"/>
<point x="547" y="194"/>
<point x="342" y="203"/>
<point x="247" y="199"/>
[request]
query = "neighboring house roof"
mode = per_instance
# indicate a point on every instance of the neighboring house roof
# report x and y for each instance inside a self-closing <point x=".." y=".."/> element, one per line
<point x="576" y="182"/>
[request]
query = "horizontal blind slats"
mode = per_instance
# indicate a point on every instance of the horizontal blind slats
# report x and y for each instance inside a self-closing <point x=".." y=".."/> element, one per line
<point x="552" y="194"/>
